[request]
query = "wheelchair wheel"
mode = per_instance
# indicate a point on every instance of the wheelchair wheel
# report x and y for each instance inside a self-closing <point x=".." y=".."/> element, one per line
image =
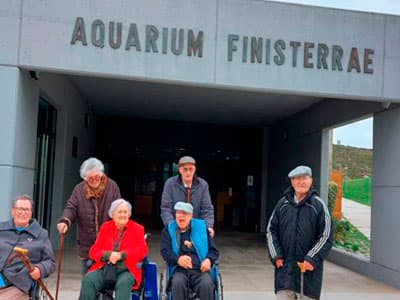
<point x="220" y="288"/>
<point x="37" y="293"/>
<point x="162" y="288"/>
<point x="41" y="295"/>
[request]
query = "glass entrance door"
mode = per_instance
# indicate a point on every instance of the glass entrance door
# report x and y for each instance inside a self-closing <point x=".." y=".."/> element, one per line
<point x="44" y="166"/>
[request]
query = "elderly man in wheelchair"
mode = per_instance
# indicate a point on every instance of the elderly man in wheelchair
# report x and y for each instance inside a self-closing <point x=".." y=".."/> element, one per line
<point x="190" y="254"/>
<point x="26" y="254"/>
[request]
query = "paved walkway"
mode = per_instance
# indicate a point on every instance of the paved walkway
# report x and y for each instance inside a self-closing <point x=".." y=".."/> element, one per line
<point x="358" y="214"/>
<point x="246" y="271"/>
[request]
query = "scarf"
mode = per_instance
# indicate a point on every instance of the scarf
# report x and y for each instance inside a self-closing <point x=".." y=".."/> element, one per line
<point x="96" y="194"/>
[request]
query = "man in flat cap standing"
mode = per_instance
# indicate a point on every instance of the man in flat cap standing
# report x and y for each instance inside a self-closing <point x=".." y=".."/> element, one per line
<point x="299" y="230"/>
<point x="187" y="187"/>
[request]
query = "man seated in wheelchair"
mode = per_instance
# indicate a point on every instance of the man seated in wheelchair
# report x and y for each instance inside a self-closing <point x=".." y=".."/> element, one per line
<point x="33" y="244"/>
<point x="189" y="253"/>
<point x="119" y="247"/>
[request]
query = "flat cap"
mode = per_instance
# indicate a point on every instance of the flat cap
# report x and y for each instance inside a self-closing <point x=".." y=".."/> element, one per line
<point x="300" y="171"/>
<point x="186" y="160"/>
<point x="184" y="206"/>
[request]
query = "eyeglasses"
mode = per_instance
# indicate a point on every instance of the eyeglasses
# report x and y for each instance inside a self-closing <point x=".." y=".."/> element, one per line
<point x="93" y="178"/>
<point x="22" y="209"/>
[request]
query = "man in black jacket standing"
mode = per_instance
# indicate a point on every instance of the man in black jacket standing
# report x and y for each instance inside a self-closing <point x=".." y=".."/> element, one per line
<point x="299" y="230"/>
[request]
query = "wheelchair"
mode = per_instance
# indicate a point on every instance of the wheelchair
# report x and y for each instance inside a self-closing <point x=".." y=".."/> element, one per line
<point x="36" y="293"/>
<point x="148" y="287"/>
<point x="165" y="285"/>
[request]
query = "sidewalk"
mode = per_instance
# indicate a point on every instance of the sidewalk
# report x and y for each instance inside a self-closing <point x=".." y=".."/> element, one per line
<point x="358" y="214"/>
<point x="246" y="272"/>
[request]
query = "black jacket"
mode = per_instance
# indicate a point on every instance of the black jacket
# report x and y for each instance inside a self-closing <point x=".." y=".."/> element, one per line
<point x="297" y="232"/>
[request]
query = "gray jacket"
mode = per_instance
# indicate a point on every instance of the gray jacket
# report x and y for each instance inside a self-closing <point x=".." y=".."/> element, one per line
<point x="33" y="238"/>
<point x="175" y="191"/>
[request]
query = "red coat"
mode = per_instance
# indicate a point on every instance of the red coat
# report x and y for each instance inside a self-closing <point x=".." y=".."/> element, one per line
<point x="132" y="243"/>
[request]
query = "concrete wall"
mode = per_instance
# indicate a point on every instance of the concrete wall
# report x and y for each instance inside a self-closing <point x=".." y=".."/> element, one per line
<point x="229" y="28"/>
<point x="18" y="118"/>
<point x="299" y="139"/>
<point x="391" y="87"/>
<point x="18" y="122"/>
<point x="385" y="221"/>
<point x="10" y="17"/>
<point x="57" y="19"/>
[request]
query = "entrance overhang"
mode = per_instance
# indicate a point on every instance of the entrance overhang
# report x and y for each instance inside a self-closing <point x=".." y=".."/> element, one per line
<point x="155" y="100"/>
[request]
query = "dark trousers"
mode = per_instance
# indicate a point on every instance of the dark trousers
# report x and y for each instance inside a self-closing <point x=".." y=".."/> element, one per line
<point x="199" y="282"/>
<point x="93" y="282"/>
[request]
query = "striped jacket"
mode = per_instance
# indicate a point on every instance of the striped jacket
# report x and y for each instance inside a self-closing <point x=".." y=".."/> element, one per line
<point x="297" y="232"/>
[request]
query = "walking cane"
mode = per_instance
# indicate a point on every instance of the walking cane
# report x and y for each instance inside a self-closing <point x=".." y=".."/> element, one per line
<point x="22" y="254"/>
<point x="302" y="268"/>
<point x="59" y="264"/>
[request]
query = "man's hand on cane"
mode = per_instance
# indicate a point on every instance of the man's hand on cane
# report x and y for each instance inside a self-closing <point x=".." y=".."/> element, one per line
<point x="279" y="263"/>
<point x="308" y="266"/>
<point x="35" y="274"/>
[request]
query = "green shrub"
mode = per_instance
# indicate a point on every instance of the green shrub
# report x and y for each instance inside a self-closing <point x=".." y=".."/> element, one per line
<point x="332" y="191"/>
<point x="349" y="238"/>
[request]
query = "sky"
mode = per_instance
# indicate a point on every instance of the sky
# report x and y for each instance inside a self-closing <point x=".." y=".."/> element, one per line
<point x="357" y="134"/>
<point x="380" y="6"/>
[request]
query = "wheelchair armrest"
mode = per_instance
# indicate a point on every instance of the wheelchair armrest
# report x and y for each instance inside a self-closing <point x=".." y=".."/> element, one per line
<point x="140" y="264"/>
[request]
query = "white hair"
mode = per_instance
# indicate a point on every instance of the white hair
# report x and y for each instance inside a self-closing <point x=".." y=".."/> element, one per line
<point x="117" y="203"/>
<point x="90" y="164"/>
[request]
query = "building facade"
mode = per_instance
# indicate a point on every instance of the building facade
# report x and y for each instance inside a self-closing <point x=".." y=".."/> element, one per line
<point x="262" y="82"/>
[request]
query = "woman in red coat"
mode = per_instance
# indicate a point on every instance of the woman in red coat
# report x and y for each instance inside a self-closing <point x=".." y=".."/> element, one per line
<point x="121" y="243"/>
